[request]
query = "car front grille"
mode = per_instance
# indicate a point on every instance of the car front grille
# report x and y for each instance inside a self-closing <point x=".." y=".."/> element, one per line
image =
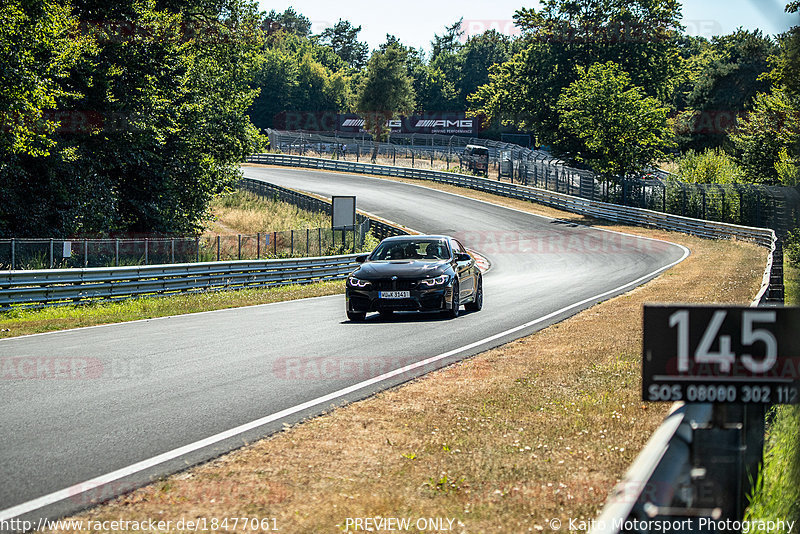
<point x="394" y="285"/>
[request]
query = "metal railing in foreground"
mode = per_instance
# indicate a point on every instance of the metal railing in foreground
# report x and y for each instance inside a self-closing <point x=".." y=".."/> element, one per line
<point x="701" y="463"/>
<point x="68" y="286"/>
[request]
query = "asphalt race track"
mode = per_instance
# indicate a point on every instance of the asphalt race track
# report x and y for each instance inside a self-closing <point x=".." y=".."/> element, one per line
<point x="132" y="401"/>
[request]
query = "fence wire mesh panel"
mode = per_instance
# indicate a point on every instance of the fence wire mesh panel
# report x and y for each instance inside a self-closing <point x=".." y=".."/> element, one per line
<point x="31" y="254"/>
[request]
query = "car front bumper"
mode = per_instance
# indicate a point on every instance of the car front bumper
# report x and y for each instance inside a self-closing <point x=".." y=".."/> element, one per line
<point x="363" y="301"/>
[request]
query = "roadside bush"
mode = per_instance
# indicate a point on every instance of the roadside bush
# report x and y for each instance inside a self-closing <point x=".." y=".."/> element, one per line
<point x="713" y="166"/>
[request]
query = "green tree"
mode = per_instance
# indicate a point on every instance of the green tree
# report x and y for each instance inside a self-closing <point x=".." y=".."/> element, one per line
<point x="152" y="121"/>
<point x="449" y="42"/>
<point x="289" y="21"/>
<point x="640" y="35"/>
<point x="478" y="55"/>
<point x="713" y="166"/>
<point x="385" y="92"/>
<point x="723" y="80"/>
<point x="768" y="141"/>
<point x="342" y="38"/>
<point x="621" y="130"/>
<point x="296" y="75"/>
<point x="37" y="49"/>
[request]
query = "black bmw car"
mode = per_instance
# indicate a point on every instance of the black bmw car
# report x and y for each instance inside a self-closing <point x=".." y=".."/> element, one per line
<point x="421" y="272"/>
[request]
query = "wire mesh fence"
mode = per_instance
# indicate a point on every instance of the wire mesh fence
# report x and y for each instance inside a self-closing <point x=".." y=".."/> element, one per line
<point x="429" y="151"/>
<point x="16" y="254"/>
<point x="774" y="207"/>
<point x="765" y="206"/>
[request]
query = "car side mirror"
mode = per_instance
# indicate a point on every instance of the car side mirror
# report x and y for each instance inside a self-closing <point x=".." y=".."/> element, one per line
<point x="461" y="256"/>
<point x="362" y="258"/>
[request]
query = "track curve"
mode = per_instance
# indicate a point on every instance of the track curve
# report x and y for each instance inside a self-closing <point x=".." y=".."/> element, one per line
<point x="209" y="382"/>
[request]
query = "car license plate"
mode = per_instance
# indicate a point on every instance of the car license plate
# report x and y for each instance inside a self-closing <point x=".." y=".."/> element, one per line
<point x="394" y="294"/>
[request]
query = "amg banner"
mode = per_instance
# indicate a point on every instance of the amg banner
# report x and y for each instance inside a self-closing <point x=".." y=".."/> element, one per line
<point x="456" y="123"/>
<point x="429" y="123"/>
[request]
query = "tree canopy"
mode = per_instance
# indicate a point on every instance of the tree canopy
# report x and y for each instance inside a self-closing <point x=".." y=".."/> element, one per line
<point x="147" y="118"/>
<point x="385" y="91"/>
<point x="621" y="130"/>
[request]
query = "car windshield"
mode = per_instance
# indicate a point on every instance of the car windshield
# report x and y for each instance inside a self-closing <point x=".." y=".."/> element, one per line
<point x="430" y="250"/>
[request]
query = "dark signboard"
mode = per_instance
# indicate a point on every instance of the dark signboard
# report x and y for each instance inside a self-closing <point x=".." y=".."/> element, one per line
<point x="738" y="355"/>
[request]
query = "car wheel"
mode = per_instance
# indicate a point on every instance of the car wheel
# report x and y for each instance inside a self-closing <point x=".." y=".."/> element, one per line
<point x="356" y="317"/>
<point x="386" y="313"/>
<point x="452" y="313"/>
<point x="477" y="302"/>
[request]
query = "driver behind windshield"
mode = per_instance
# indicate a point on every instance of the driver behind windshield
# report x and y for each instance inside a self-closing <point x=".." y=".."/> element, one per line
<point x="412" y="251"/>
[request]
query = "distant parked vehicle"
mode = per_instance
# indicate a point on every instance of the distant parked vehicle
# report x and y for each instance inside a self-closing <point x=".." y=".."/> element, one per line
<point x="414" y="273"/>
<point x="476" y="159"/>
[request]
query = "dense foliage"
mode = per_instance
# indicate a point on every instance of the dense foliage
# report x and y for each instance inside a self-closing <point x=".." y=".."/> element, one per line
<point x="129" y="117"/>
<point x="139" y="119"/>
<point x="621" y="130"/>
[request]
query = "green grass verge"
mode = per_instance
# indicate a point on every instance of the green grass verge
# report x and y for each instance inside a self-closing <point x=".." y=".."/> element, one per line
<point x="777" y="493"/>
<point x="34" y="321"/>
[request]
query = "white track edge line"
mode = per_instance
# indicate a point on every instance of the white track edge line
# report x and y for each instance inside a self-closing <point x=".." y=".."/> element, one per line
<point x="77" y="489"/>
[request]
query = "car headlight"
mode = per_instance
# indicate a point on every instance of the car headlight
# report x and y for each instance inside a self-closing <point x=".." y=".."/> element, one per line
<point x="438" y="281"/>
<point x="357" y="282"/>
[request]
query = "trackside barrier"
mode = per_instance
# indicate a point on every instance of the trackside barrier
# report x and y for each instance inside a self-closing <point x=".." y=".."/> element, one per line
<point x="48" y="287"/>
<point x="591" y="208"/>
<point x="666" y="480"/>
<point x="67" y="286"/>
<point x="669" y="481"/>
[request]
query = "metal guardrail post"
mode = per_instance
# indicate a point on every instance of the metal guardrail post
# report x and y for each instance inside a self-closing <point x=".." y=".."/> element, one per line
<point x="85" y="252"/>
<point x="51" y="252"/>
<point x="197" y="248"/>
<point x="239" y="254"/>
<point x="116" y="252"/>
<point x="218" y="247"/>
<point x="146" y="252"/>
<point x="13" y="253"/>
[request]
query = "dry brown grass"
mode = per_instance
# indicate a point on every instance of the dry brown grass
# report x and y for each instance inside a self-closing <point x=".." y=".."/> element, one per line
<point x="537" y="429"/>
<point x="242" y="212"/>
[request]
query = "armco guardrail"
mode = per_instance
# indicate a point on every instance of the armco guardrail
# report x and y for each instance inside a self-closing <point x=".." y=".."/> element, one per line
<point x="66" y="286"/>
<point x="592" y="208"/>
